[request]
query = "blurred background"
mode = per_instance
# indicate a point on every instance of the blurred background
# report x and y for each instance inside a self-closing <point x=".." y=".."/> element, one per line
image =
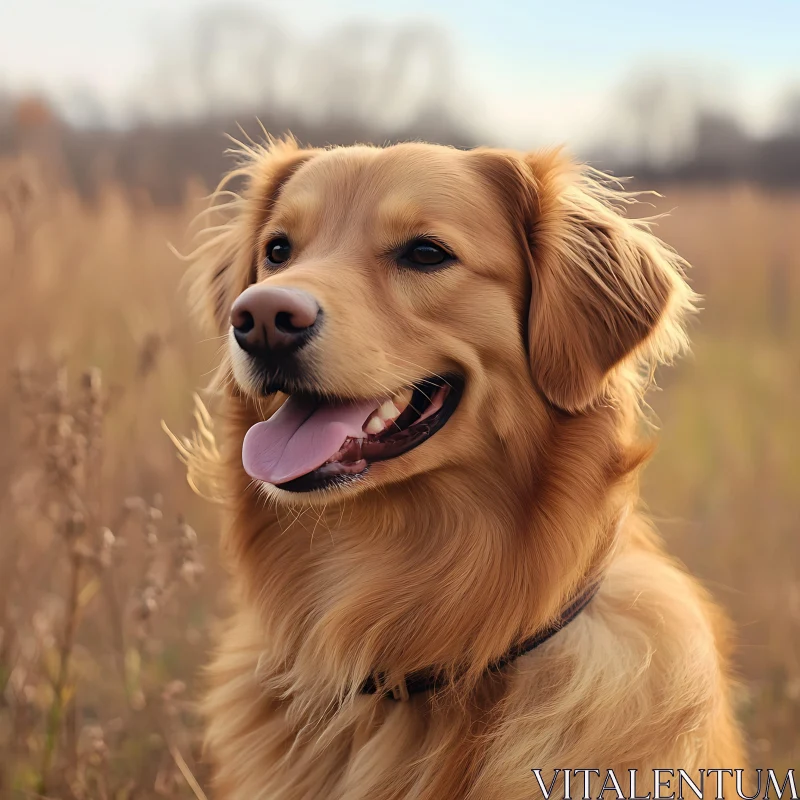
<point x="111" y="134"/>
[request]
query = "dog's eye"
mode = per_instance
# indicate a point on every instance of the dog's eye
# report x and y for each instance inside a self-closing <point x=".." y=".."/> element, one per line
<point x="278" y="250"/>
<point x="424" y="254"/>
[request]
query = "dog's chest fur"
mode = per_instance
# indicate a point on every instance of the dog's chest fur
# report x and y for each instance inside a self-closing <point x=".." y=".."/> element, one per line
<point x="615" y="689"/>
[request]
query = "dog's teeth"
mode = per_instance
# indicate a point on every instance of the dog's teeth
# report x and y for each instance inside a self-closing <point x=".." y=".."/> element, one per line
<point x="388" y="411"/>
<point x="402" y="399"/>
<point x="374" y="425"/>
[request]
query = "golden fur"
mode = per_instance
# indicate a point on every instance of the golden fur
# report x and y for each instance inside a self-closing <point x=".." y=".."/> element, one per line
<point x="557" y="313"/>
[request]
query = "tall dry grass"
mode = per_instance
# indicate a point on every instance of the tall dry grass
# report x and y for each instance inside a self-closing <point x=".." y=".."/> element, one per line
<point x="107" y="595"/>
<point x="106" y="592"/>
<point x="725" y="483"/>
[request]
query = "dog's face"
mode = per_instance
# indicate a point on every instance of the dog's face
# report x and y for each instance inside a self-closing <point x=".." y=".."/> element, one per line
<point x="419" y="308"/>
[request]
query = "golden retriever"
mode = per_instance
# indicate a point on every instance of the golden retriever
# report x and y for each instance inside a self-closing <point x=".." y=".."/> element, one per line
<point x="432" y="390"/>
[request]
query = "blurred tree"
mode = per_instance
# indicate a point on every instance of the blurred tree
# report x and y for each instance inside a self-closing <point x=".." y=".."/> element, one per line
<point x="32" y="112"/>
<point x="240" y="61"/>
<point x="663" y="109"/>
<point x="653" y="104"/>
<point x="365" y="82"/>
<point x="389" y="76"/>
<point x="82" y="107"/>
<point x="223" y="60"/>
<point x="789" y="114"/>
<point x="6" y="121"/>
<point x="720" y="144"/>
<point x="37" y="130"/>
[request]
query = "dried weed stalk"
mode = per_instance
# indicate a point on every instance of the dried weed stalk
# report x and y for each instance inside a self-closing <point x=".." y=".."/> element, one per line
<point x="116" y="565"/>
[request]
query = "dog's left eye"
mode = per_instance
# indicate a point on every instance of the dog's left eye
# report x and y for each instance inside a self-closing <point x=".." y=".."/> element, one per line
<point x="424" y="254"/>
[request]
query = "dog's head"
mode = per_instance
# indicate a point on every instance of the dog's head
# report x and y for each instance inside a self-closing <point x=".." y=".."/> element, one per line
<point x="410" y="309"/>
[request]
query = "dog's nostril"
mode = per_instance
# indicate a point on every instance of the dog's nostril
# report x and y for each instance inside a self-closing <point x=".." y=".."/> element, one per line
<point x="283" y="322"/>
<point x="245" y="322"/>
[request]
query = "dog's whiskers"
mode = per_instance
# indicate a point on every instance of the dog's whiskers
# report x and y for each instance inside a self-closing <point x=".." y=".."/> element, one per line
<point x="414" y="364"/>
<point x="393" y="375"/>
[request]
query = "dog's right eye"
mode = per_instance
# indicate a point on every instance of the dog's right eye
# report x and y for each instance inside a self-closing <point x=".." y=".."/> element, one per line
<point x="278" y="251"/>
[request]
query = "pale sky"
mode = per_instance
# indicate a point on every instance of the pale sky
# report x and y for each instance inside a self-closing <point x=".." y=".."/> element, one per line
<point x="536" y="71"/>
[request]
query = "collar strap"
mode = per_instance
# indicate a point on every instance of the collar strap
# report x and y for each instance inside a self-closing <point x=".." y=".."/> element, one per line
<point x="428" y="680"/>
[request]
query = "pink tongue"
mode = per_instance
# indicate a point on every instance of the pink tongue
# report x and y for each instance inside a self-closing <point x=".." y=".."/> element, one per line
<point x="301" y="436"/>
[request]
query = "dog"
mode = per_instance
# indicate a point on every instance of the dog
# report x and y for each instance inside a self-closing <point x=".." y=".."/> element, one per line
<point x="431" y="399"/>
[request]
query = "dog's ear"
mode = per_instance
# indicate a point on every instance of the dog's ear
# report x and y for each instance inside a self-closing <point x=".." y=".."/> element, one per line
<point x="225" y="261"/>
<point x="603" y="287"/>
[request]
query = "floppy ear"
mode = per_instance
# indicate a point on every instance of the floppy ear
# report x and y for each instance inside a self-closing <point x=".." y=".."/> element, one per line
<point x="225" y="261"/>
<point x="602" y="286"/>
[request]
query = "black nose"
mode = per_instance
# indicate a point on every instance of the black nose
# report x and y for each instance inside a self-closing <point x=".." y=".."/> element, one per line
<point x="274" y="319"/>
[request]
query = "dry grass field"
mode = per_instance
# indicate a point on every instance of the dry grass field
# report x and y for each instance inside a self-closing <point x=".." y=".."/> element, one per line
<point x="109" y="570"/>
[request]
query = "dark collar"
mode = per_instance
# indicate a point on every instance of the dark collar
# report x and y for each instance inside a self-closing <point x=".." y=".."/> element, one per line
<point x="428" y="680"/>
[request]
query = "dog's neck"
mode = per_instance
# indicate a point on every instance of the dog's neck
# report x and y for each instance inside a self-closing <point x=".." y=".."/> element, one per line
<point x="445" y="571"/>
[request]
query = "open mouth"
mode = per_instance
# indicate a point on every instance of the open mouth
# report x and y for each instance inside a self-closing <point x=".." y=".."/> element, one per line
<point x="315" y="443"/>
